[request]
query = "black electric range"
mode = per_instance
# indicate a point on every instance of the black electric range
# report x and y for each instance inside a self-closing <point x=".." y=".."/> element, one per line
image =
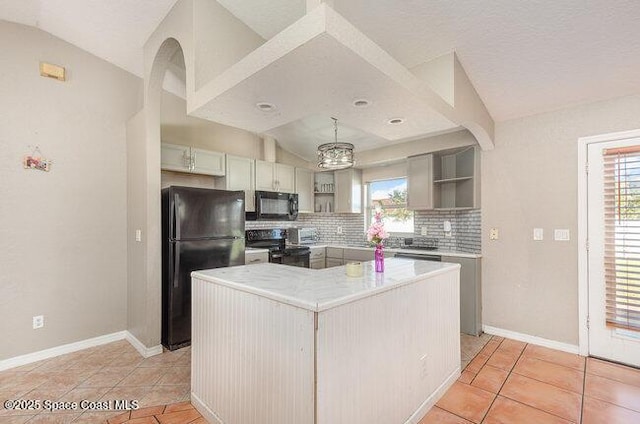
<point x="275" y="240"/>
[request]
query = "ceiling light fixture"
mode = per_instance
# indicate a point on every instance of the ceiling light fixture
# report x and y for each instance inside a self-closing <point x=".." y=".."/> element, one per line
<point x="361" y="103"/>
<point x="335" y="155"/>
<point x="395" y="121"/>
<point x="266" y="107"/>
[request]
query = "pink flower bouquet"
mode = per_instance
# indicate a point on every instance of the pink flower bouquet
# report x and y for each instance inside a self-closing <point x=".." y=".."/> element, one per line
<point x="376" y="232"/>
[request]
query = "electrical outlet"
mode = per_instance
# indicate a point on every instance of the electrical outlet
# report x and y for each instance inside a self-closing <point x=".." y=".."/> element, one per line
<point x="138" y="235"/>
<point x="38" y="321"/>
<point x="538" y="234"/>
<point x="423" y="231"/>
<point x="339" y="230"/>
<point x="494" y="234"/>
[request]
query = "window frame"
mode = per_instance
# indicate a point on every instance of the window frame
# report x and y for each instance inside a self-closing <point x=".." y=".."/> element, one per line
<point x="368" y="212"/>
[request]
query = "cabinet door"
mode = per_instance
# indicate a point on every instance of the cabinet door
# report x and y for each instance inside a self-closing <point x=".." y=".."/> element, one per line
<point x="358" y="254"/>
<point x="316" y="263"/>
<point x="175" y="158"/>
<point x="331" y="262"/>
<point x="420" y="183"/>
<point x="348" y="191"/>
<point x="304" y="188"/>
<point x="285" y="176"/>
<point x="470" y="294"/>
<point x="265" y="176"/>
<point x="207" y="162"/>
<point x="240" y="176"/>
<point x="255" y="257"/>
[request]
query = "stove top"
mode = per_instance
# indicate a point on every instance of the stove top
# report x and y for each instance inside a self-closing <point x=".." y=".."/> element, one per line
<point x="419" y="247"/>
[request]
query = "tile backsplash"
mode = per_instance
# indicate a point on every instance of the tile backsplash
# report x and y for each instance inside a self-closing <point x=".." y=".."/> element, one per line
<point x="327" y="225"/>
<point x="465" y="227"/>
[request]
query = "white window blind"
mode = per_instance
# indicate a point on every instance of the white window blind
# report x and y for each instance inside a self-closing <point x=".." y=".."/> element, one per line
<point x="622" y="237"/>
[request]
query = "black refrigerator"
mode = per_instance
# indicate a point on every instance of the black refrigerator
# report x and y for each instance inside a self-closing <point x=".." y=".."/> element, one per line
<point x="201" y="229"/>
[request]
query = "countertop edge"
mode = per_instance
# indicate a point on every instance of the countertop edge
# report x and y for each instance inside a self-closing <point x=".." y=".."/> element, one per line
<point x="318" y="307"/>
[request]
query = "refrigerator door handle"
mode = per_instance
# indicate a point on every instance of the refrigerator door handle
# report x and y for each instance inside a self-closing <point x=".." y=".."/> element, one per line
<point x="173" y="221"/>
<point x="176" y="264"/>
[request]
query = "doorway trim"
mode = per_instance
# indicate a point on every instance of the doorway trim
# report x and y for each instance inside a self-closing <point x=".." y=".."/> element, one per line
<point x="583" y="198"/>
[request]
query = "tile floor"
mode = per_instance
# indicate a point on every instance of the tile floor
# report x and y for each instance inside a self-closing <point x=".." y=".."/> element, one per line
<point x="109" y="372"/>
<point x="515" y="382"/>
<point x="503" y="381"/>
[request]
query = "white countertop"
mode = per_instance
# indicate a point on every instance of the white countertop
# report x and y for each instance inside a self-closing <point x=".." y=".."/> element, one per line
<point x="321" y="289"/>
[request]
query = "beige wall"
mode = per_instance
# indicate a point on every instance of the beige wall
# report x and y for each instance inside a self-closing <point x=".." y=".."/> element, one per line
<point x="530" y="180"/>
<point x="401" y="151"/>
<point x="62" y="233"/>
<point x="178" y="128"/>
<point x="220" y="40"/>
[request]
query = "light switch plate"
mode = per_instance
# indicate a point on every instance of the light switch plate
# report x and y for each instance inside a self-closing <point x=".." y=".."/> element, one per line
<point x="423" y="231"/>
<point x="561" y="235"/>
<point x="494" y="234"/>
<point x="538" y="234"/>
<point x="138" y="235"/>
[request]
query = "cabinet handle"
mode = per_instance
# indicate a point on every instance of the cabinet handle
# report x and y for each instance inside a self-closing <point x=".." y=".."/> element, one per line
<point x="186" y="160"/>
<point x="255" y="260"/>
<point x="193" y="161"/>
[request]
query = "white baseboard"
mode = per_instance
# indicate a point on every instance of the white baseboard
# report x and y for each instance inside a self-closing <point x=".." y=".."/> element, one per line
<point x="552" y="344"/>
<point x="76" y="346"/>
<point x="435" y="396"/>
<point x="204" y="410"/>
<point x="141" y="348"/>
<point x="60" y="350"/>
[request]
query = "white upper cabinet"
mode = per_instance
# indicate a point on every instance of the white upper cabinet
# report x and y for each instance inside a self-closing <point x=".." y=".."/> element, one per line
<point x="240" y="176"/>
<point x="207" y="162"/>
<point x="348" y="191"/>
<point x="304" y="188"/>
<point x="272" y="176"/>
<point x="285" y="178"/>
<point x="189" y="159"/>
<point x="420" y="182"/>
<point x="265" y="176"/>
<point x="175" y="158"/>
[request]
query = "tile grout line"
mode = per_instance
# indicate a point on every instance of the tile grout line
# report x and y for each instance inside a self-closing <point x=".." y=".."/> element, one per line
<point x="505" y="380"/>
<point x="531" y="406"/>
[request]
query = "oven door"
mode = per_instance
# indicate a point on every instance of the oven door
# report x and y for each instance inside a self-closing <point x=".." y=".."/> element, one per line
<point x="293" y="259"/>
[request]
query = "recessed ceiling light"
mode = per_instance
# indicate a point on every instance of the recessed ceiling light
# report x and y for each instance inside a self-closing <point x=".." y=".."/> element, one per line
<point x="266" y="107"/>
<point x="395" y="121"/>
<point x="361" y="103"/>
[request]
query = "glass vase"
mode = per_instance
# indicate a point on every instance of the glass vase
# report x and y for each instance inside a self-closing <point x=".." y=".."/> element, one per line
<point x="379" y="258"/>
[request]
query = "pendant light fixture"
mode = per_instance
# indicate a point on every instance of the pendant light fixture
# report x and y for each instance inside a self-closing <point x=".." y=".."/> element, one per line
<point x="335" y="155"/>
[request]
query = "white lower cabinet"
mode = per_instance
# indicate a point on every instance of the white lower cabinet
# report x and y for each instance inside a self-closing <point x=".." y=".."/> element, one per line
<point x="335" y="256"/>
<point x="256" y="257"/>
<point x="317" y="257"/>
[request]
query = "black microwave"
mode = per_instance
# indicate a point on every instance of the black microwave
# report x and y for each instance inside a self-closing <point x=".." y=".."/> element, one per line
<point x="273" y="206"/>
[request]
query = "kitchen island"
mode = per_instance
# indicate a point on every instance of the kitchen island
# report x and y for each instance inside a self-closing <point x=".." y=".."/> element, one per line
<point x="287" y="345"/>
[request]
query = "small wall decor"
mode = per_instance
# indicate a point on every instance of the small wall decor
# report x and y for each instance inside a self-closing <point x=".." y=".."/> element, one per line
<point x="36" y="161"/>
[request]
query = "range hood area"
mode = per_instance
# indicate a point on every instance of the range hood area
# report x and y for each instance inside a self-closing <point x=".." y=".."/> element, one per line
<point x="320" y="66"/>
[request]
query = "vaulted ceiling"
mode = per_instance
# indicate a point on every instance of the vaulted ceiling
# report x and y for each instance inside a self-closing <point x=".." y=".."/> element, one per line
<point x="522" y="57"/>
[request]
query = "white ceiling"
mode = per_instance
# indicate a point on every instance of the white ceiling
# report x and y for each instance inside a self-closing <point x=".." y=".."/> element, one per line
<point x="522" y="57"/>
<point x="114" y="30"/>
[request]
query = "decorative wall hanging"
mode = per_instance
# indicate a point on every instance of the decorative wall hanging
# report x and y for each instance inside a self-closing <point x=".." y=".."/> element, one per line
<point x="36" y="161"/>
